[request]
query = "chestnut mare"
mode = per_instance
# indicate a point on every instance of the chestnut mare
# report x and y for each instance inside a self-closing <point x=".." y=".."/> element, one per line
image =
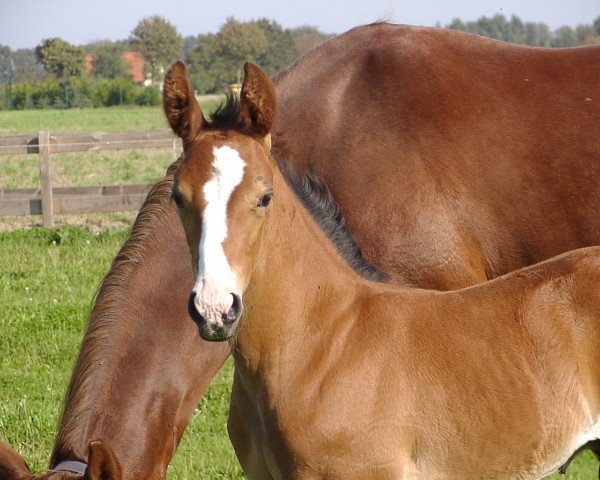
<point x="454" y="158"/>
<point x="340" y="377"/>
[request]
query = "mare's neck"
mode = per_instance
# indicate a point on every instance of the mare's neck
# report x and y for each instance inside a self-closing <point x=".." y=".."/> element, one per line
<point x="299" y="286"/>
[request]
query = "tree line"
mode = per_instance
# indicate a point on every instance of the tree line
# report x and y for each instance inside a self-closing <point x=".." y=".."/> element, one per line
<point x="54" y="74"/>
<point x="529" y="33"/>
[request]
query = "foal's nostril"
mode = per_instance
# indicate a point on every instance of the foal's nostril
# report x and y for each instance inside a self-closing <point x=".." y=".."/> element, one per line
<point x="193" y="311"/>
<point x="235" y="311"/>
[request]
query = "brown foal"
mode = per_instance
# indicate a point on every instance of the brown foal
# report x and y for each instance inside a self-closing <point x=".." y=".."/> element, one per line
<point x="340" y="377"/>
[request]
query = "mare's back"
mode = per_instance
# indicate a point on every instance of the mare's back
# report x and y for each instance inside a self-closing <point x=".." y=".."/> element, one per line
<point x="455" y="158"/>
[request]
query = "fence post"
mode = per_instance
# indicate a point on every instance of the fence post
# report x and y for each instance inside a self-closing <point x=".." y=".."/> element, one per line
<point x="46" y="179"/>
<point x="175" y="150"/>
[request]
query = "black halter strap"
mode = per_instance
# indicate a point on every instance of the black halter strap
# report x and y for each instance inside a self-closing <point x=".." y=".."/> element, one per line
<point x="74" y="466"/>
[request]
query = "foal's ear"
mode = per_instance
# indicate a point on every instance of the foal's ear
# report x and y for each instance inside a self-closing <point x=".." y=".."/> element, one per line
<point x="258" y="102"/>
<point x="102" y="463"/>
<point x="180" y="104"/>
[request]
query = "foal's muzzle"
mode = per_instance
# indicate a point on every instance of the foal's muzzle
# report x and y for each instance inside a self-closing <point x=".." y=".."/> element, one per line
<point x="220" y="329"/>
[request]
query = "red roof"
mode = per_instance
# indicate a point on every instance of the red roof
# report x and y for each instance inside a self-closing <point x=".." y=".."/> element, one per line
<point x="89" y="63"/>
<point x="133" y="60"/>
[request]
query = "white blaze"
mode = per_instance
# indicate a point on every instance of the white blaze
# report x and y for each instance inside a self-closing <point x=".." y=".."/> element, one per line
<point x="215" y="281"/>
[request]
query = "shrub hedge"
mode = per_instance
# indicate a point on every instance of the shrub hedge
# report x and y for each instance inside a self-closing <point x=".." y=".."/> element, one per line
<point x="77" y="92"/>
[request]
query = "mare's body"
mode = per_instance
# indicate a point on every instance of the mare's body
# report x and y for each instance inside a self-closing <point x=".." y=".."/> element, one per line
<point x="454" y="158"/>
<point x="340" y="377"/>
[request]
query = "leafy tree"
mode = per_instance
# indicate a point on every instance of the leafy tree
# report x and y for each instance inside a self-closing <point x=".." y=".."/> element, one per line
<point x="280" y="50"/>
<point x="60" y="58"/>
<point x="596" y="25"/>
<point x="206" y="67"/>
<point x="592" y="40"/>
<point x="516" y="30"/>
<point x="5" y="57"/>
<point x="190" y="43"/>
<point x="26" y="66"/>
<point x="238" y="42"/>
<point x="6" y="62"/>
<point x="158" y="41"/>
<point x="6" y="75"/>
<point x="495" y="27"/>
<point x="513" y="30"/>
<point x="584" y="31"/>
<point x="306" y="38"/>
<point x="108" y="61"/>
<point x="538" y="35"/>
<point x="127" y="45"/>
<point x="457" y="24"/>
<point x="565" y="36"/>
<point x="217" y="59"/>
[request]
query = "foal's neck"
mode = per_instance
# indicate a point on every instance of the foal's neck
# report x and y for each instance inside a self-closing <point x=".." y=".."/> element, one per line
<point x="299" y="282"/>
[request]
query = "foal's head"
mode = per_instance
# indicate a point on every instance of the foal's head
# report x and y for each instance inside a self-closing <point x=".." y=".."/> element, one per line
<point x="222" y="190"/>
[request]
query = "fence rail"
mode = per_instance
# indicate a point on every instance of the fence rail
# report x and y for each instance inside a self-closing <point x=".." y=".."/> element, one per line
<point x="48" y="200"/>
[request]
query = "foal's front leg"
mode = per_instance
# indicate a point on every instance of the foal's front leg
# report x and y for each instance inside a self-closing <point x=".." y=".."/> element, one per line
<point x="245" y="433"/>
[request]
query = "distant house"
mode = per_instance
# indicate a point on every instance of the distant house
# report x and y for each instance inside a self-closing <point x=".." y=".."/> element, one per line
<point x="134" y="61"/>
<point x="89" y="64"/>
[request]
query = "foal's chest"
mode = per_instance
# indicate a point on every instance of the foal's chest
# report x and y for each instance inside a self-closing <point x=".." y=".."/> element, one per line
<point x="311" y="447"/>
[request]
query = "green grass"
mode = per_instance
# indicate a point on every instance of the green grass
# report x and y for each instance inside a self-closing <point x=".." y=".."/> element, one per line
<point x="142" y="166"/>
<point x="48" y="280"/>
<point x="110" y="119"/>
<point x="88" y="168"/>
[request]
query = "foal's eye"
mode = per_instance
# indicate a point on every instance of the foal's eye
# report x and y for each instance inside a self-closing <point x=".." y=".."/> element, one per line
<point x="265" y="200"/>
<point x="178" y="201"/>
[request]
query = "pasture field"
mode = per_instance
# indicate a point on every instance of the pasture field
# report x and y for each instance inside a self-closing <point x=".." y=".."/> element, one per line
<point x="47" y="282"/>
<point x="109" y="119"/>
<point x="106" y="167"/>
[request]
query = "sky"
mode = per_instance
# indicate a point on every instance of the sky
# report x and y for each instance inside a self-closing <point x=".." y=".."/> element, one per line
<point x="25" y="23"/>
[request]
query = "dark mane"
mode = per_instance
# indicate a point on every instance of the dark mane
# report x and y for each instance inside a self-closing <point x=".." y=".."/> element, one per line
<point x="320" y="203"/>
